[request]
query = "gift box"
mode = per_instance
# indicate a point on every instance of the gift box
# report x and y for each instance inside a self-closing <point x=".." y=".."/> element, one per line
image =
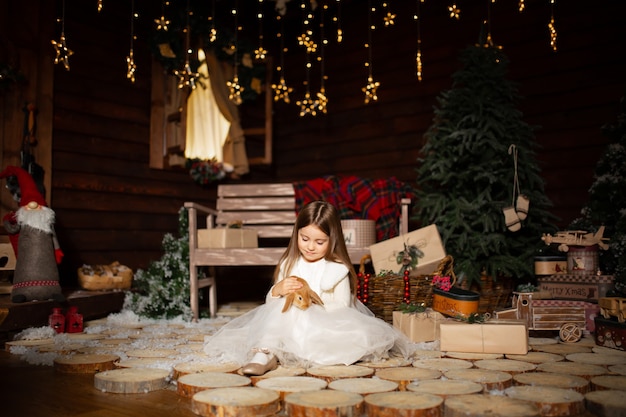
<point x="419" y="327"/>
<point x="425" y="241"/>
<point x="577" y="287"/>
<point x="494" y="336"/>
<point x="227" y="238"/>
<point x="610" y="333"/>
<point x="455" y="302"/>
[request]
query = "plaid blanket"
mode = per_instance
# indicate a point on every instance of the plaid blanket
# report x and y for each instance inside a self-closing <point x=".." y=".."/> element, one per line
<point x="359" y="198"/>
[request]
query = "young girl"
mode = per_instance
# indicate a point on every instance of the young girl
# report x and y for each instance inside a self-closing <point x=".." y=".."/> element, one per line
<point x="341" y="331"/>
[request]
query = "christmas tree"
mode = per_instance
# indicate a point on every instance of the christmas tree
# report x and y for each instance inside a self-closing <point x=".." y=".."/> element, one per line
<point x="607" y="201"/>
<point x="478" y="158"/>
<point x="162" y="291"/>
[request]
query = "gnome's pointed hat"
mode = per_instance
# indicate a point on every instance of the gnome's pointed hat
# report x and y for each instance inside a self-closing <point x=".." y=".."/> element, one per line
<point x="28" y="188"/>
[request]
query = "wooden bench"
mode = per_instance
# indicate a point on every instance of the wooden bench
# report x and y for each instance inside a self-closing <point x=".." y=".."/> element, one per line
<point x="270" y="209"/>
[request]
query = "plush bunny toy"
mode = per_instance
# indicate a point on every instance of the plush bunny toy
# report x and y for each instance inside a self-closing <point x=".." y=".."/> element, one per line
<point x="302" y="298"/>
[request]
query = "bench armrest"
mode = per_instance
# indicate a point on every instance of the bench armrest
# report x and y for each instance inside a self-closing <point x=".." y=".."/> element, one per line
<point x="200" y="208"/>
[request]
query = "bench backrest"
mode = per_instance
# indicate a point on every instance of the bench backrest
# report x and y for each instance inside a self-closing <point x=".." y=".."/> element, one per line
<point x="268" y="208"/>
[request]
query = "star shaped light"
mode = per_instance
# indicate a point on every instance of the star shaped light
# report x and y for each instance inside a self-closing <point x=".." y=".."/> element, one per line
<point x="389" y="19"/>
<point x="322" y="100"/>
<point x="455" y="12"/>
<point x="162" y="23"/>
<point x="186" y="77"/>
<point x="307" y="105"/>
<point x="235" y="89"/>
<point x="260" y="53"/>
<point x="370" y="90"/>
<point x="130" y="73"/>
<point x="281" y="91"/>
<point x="62" y="52"/>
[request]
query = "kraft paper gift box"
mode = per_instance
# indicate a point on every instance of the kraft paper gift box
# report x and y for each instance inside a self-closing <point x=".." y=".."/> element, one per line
<point x="493" y="336"/>
<point x="419" y="327"/>
<point x="427" y="240"/>
<point x="227" y="238"/>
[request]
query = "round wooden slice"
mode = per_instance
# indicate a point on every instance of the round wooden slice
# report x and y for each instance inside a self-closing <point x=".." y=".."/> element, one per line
<point x="114" y="341"/>
<point x="131" y="380"/>
<point x="473" y="356"/>
<point x="618" y="369"/>
<point x="606" y="403"/>
<point x="85" y="364"/>
<point x="284" y="385"/>
<point x="403" y="404"/>
<point x="405" y="375"/>
<point x="197" y="337"/>
<point x="235" y="402"/>
<point x="540" y="341"/>
<point x="443" y="364"/>
<point x="427" y="354"/>
<point x="596" y="359"/>
<point x="608" y="351"/>
<point x="60" y="349"/>
<point x="562" y="348"/>
<point x="537" y="357"/>
<point x="27" y="343"/>
<point x="332" y="372"/>
<point x="579" y="369"/>
<point x="445" y="387"/>
<point x="186" y="368"/>
<point x="488" y="405"/>
<point x="551" y="401"/>
<point x="280" y="371"/>
<point x="190" y="347"/>
<point x="151" y="353"/>
<point x="364" y="386"/>
<point x="505" y="365"/>
<point x="188" y="385"/>
<point x="387" y="363"/>
<point x="490" y="380"/>
<point x="85" y="336"/>
<point x="323" y="403"/>
<point x="606" y="382"/>
<point x="587" y="341"/>
<point x="549" y="379"/>
<point x="142" y="363"/>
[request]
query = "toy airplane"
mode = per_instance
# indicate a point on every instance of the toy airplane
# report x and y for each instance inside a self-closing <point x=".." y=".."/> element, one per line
<point x="576" y="238"/>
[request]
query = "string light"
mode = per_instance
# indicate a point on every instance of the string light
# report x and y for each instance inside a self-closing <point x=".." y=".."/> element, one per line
<point x="418" y="56"/>
<point x="521" y="5"/>
<point x="100" y="5"/>
<point x="162" y="23"/>
<point x="489" y="41"/>
<point x="371" y="88"/>
<point x="389" y="18"/>
<point x="260" y="52"/>
<point x="552" y="27"/>
<point x="338" y="20"/>
<point x="212" y="30"/>
<point x="281" y="90"/>
<point x="234" y="88"/>
<point x="63" y="53"/>
<point x="130" y="59"/>
<point x="187" y="77"/>
<point x="307" y="105"/>
<point x="455" y="12"/>
<point x="322" y="99"/>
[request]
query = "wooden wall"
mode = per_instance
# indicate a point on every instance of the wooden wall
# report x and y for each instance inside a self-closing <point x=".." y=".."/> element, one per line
<point x="111" y="206"/>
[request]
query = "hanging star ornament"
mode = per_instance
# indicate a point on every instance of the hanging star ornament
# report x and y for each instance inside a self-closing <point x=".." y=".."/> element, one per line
<point x="455" y="12"/>
<point x="322" y="100"/>
<point x="234" y="90"/>
<point x="260" y="53"/>
<point x="130" y="73"/>
<point x="307" y="105"/>
<point x="162" y="23"/>
<point x="389" y="19"/>
<point x="281" y="91"/>
<point x="63" y="53"/>
<point x="370" y="90"/>
<point x="186" y="77"/>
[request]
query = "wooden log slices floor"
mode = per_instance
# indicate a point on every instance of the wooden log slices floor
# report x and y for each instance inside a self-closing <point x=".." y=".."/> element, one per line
<point x="235" y="402"/>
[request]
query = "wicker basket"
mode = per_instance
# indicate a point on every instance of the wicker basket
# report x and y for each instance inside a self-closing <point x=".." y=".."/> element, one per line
<point x="105" y="277"/>
<point x="382" y="294"/>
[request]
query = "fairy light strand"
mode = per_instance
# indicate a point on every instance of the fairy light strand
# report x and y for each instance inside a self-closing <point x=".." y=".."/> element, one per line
<point x="371" y="88"/>
<point x="308" y="106"/>
<point x="454" y="11"/>
<point x="162" y="24"/>
<point x="338" y="20"/>
<point x="234" y="88"/>
<point x="100" y="5"/>
<point x="390" y="18"/>
<point x="322" y="99"/>
<point x="212" y="30"/>
<point x="552" y="27"/>
<point x="260" y="52"/>
<point x="63" y="53"/>
<point x="130" y="59"/>
<point x="521" y="5"/>
<point x="186" y="77"/>
<point x="281" y="90"/>
<point x="418" y="55"/>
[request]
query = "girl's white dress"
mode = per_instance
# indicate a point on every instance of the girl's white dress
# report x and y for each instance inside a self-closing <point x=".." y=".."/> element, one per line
<point x="342" y="331"/>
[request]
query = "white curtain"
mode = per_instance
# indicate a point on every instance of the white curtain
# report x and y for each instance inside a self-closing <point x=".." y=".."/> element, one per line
<point x="207" y="128"/>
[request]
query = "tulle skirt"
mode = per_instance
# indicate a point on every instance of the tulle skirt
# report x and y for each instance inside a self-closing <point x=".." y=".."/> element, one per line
<point x="313" y="337"/>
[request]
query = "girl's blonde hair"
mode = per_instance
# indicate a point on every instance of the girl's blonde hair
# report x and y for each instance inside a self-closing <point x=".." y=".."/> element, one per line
<point x="326" y="217"/>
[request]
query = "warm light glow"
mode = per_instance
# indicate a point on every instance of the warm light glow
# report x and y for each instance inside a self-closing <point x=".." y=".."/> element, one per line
<point x="455" y="12"/>
<point x="281" y="91"/>
<point x="370" y="90"/>
<point x="307" y="105"/>
<point x="234" y="90"/>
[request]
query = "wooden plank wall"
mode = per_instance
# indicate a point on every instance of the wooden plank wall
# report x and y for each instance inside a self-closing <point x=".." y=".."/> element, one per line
<point x="111" y="206"/>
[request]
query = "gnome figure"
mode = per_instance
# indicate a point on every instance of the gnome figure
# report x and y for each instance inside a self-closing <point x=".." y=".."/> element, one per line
<point x="37" y="252"/>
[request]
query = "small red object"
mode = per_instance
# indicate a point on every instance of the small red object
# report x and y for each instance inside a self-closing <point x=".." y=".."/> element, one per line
<point x="56" y="320"/>
<point x="74" y="320"/>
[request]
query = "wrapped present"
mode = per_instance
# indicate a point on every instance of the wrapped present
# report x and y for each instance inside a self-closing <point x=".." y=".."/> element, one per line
<point x="610" y="333"/>
<point x="423" y="248"/>
<point x="227" y="238"/>
<point x="576" y="287"/>
<point x="493" y="336"/>
<point x="419" y="327"/>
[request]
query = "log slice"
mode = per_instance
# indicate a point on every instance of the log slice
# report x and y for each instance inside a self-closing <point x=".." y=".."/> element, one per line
<point x="85" y="364"/>
<point x="287" y="384"/>
<point x="488" y="405"/>
<point x="490" y="380"/>
<point x="405" y="375"/>
<point x="606" y="382"/>
<point x="597" y="358"/>
<point x="131" y="380"/>
<point x="186" y="368"/>
<point x="235" y="402"/>
<point x="551" y="401"/>
<point x="505" y="365"/>
<point x="572" y="368"/>
<point x="364" y="386"/>
<point x="443" y="364"/>
<point x="445" y="387"/>
<point x="537" y="357"/>
<point x="323" y="403"/>
<point x="606" y="403"/>
<point x="188" y="385"/>
<point x="403" y="404"/>
<point x="474" y="356"/>
<point x="549" y="379"/>
<point x="332" y="372"/>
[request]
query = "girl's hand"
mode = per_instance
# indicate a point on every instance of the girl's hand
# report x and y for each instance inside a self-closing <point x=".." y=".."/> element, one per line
<point x="286" y="286"/>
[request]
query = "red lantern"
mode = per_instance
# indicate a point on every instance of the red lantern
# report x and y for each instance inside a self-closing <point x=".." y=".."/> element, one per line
<point x="56" y="320"/>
